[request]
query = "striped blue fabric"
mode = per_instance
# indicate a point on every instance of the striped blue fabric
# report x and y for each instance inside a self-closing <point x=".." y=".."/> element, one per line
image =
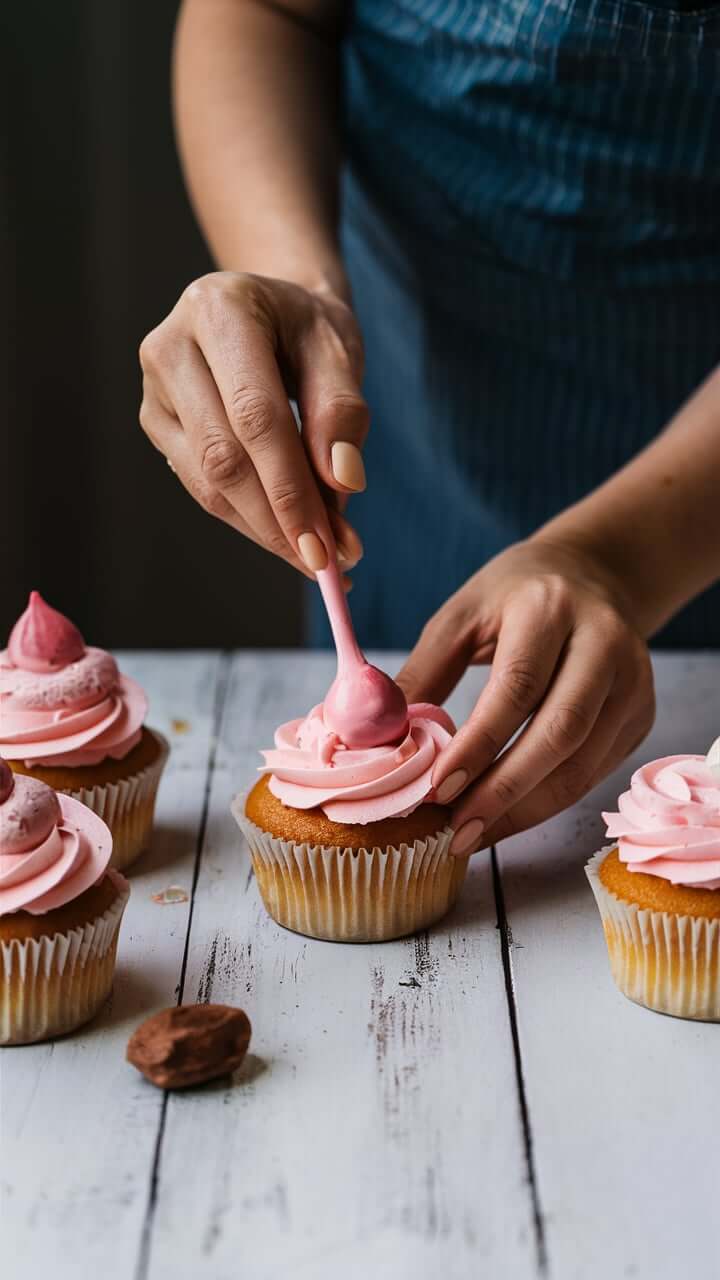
<point x="532" y="228"/>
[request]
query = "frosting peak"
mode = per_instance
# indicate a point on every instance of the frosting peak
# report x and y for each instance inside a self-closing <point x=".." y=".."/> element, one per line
<point x="52" y="848"/>
<point x="62" y="702"/>
<point x="43" y="639"/>
<point x="668" y="823"/>
<point x="311" y="767"/>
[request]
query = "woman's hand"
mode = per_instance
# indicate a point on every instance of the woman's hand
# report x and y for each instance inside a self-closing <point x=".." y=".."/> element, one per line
<point x="217" y="376"/>
<point x="566" y="657"/>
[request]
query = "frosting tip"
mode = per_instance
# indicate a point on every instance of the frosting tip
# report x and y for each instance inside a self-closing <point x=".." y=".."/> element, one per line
<point x="44" y="639"/>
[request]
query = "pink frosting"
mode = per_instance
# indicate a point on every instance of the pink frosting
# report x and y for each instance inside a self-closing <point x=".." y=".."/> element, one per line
<point x="363" y="706"/>
<point x="52" y="848"/>
<point x="43" y="639"/>
<point x="669" y="822"/>
<point x="59" y="705"/>
<point x="310" y="766"/>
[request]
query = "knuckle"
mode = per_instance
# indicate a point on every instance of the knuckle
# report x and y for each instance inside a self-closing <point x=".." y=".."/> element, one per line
<point x="251" y="415"/>
<point x="347" y="410"/>
<point x="277" y="544"/>
<point x="286" y="497"/>
<point x="566" y="728"/>
<point x="505" y="790"/>
<point x="520" y="682"/>
<point x="486" y="746"/>
<point x="144" y="416"/>
<point x="203" y="292"/>
<point x="219" y="459"/>
<point x="570" y="783"/>
<point x="152" y="350"/>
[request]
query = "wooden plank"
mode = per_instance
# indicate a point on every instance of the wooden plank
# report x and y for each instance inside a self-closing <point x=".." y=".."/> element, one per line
<point x="78" y="1124"/>
<point x="374" y="1130"/>
<point x="623" y="1103"/>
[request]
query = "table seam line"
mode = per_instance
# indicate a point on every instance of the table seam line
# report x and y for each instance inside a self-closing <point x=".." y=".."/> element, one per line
<point x="221" y="682"/>
<point x="503" y="926"/>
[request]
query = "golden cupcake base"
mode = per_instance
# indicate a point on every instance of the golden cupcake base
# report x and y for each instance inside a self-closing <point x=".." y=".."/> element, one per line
<point x="663" y="960"/>
<point x="53" y="982"/>
<point x="353" y="894"/>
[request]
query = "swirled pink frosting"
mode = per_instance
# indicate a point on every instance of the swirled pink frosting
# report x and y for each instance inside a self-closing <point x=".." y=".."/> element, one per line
<point x="52" y="848"/>
<point x="310" y="766"/>
<point x="61" y="702"/>
<point x="669" y="822"/>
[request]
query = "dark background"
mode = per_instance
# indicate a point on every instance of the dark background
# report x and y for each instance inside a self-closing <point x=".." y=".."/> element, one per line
<point x="96" y="244"/>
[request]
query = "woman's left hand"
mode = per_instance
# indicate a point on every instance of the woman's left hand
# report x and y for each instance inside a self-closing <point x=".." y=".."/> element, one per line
<point x="566" y="656"/>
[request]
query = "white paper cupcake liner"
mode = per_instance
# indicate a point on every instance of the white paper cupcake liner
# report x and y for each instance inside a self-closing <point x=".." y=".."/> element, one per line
<point x="347" y="895"/>
<point x="53" y="984"/>
<point x="128" y="807"/>
<point x="666" y="962"/>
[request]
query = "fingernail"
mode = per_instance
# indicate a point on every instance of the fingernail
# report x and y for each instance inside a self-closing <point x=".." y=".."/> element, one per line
<point x="346" y="558"/>
<point x="347" y="466"/>
<point x="313" y="551"/>
<point x="467" y="836"/>
<point x="451" y="786"/>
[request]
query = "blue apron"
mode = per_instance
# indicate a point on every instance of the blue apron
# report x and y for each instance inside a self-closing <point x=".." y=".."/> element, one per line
<point x="531" y="223"/>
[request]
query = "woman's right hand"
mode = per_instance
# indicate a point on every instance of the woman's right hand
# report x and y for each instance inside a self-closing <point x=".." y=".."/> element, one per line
<point x="217" y="376"/>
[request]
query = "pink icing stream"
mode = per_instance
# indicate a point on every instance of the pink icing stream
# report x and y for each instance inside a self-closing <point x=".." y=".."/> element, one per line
<point x="52" y="848"/>
<point x="73" y="712"/>
<point x="668" y="823"/>
<point x="310" y="766"/>
<point x="363" y="706"/>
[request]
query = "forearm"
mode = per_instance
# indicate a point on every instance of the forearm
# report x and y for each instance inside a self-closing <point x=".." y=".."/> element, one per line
<point x="256" y="116"/>
<point x="656" y="524"/>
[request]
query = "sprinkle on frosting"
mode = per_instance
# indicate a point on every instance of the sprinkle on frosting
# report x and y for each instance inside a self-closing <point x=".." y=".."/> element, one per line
<point x="43" y="639"/>
<point x="62" y="703"/>
<point x="668" y="823"/>
<point x="52" y="848"/>
<point x="311" y="767"/>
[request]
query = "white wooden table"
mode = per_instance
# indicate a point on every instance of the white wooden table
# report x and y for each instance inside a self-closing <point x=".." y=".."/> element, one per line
<point x="477" y="1101"/>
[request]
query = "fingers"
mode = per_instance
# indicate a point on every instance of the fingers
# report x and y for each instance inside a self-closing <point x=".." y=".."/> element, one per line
<point x="218" y="366"/>
<point x="624" y="720"/>
<point x="166" y="434"/>
<point x="208" y="458"/>
<point x="237" y="343"/>
<point x="334" y="415"/>
<point x="529" y="645"/>
<point x="348" y="544"/>
<point x="566" y="786"/>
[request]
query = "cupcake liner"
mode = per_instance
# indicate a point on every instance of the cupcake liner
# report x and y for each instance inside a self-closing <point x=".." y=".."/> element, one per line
<point x="128" y="807"/>
<point x="666" y="962"/>
<point x="349" y="895"/>
<point x="51" y="985"/>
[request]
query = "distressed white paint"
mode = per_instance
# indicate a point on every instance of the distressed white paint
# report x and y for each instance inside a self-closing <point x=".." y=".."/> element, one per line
<point x="624" y="1103"/>
<point x="375" y="1132"/>
<point x="78" y="1125"/>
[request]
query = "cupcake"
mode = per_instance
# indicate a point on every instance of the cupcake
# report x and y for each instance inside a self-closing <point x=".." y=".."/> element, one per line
<point x="69" y="718"/>
<point x="347" y="844"/>
<point x="60" y="911"/>
<point x="658" y="887"/>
